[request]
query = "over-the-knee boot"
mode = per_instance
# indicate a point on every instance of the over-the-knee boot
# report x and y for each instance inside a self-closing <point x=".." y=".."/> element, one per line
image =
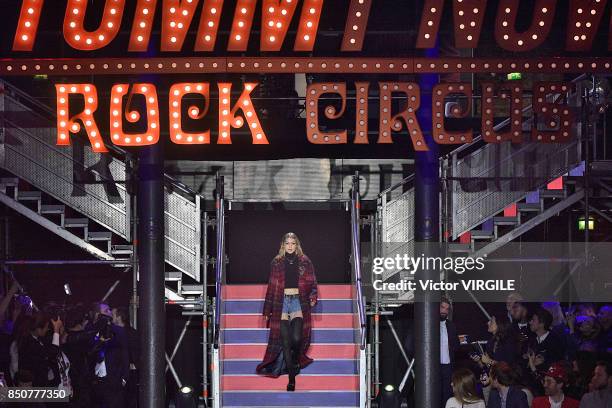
<point x="296" y="341"/>
<point x="285" y="330"/>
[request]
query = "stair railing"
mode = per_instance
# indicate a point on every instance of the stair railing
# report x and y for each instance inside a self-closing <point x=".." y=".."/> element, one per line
<point x="395" y="226"/>
<point x="464" y="209"/>
<point x="219" y="261"/>
<point x="183" y="210"/>
<point x="356" y="254"/>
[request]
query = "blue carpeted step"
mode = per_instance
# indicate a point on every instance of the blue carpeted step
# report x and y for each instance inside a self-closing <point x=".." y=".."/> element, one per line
<point x="254" y="336"/>
<point x="256" y="306"/>
<point x="327" y="367"/>
<point x="291" y="399"/>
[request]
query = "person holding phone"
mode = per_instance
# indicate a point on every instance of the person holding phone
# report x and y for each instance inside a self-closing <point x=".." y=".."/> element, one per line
<point x="290" y="297"/>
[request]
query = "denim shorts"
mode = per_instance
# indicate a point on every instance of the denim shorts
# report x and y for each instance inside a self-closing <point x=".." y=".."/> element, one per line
<point x="291" y="306"/>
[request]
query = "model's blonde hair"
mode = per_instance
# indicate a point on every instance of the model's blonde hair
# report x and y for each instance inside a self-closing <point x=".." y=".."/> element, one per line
<point x="298" y="249"/>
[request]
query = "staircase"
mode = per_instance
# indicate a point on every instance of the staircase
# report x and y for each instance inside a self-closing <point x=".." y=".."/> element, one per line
<point x="53" y="217"/>
<point x="83" y="196"/>
<point x="527" y="214"/>
<point x="332" y="380"/>
<point x="492" y="193"/>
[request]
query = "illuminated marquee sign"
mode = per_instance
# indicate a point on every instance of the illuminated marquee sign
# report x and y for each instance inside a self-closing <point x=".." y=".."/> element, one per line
<point x="195" y="26"/>
<point x="177" y="16"/>
<point x="553" y="120"/>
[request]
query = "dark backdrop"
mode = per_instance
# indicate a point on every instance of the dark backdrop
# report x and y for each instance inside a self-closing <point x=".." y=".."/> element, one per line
<point x="253" y="239"/>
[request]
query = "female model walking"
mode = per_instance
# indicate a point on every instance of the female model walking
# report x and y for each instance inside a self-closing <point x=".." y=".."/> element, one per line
<point x="291" y="294"/>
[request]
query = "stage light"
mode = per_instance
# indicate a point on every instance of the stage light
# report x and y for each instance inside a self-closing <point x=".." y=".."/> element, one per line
<point x="67" y="289"/>
<point x="389" y="397"/>
<point x="582" y="224"/>
<point x="185" y="398"/>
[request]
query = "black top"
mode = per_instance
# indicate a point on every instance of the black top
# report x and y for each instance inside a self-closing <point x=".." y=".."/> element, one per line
<point x="551" y="349"/>
<point x="515" y="398"/>
<point x="506" y="350"/>
<point x="291" y="271"/>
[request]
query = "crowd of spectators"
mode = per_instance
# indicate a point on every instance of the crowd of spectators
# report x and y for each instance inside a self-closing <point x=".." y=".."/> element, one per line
<point x="88" y="351"/>
<point x="540" y="356"/>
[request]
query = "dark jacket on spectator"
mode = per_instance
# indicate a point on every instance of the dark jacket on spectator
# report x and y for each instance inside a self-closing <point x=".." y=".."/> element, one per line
<point x="453" y="339"/>
<point x="38" y="358"/>
<point x="516" y="398"/>
<point x="551" y="348"/>
<point x="507" y="350"/>
<point x="116" y="355"/>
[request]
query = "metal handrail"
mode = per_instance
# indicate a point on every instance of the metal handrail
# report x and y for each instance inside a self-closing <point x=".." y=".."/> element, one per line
<point x="220" y="251"/>
<point x="124" y="154"/>
<point x="500" y="125"/>
<point x="400" y="183"/>
<point x="355" y="206"/>
<point x="15" y="126"/>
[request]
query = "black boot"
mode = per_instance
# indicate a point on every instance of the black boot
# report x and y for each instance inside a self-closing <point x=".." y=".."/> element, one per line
<point x="291" y="384"/>
<point x="293" y="370"/>
<point x="285" y="330"/>
<point x="296" y="341"/>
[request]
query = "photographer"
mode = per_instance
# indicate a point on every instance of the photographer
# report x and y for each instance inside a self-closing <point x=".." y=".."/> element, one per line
<point x="37" y="356"/>
<point x="76" y="343"/>
<point x="110" y="360"/>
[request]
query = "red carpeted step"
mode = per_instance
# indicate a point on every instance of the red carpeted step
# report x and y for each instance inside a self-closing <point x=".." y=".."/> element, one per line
<point x="257" y="351"/>
<point x="237" y="292"/>
<point x="319" y="321"/>
<point x="302" y="383"/>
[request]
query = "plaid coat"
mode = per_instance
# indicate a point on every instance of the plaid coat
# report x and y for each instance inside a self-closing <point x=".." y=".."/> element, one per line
<point x="273" y="363"/>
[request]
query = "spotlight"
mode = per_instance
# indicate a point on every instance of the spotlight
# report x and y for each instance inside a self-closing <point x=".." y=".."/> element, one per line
<point x="185" y="397"/>
<point x="389" y="397"/>
<point x="67" y="289"/>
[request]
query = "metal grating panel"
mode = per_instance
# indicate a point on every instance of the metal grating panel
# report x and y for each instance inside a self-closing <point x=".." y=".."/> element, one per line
<point x="182" y="243"/>
<point x="397" y="228"/>
<point x="497" y="175"/>
<point x="31" y="154"/>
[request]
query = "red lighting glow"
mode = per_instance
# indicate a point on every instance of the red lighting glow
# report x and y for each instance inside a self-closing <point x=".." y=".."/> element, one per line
<point x="515" y="97"/>
<point x="228" y="118"/>
<point x="27" y="26"/>
<point x="74" y="25"/>
<point x="407" y="117"/>
<point x="505" y="32"/>
<point x="67" y="124"/>
<point x="177" y="92"/>
<point x="552" y="120"/>
<point x="313" y="93"/>
<point x="440" y="134"/>
<point x="118" y="136"/>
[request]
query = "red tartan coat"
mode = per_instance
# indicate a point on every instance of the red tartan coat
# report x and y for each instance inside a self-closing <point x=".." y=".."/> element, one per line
<point x="273" y="307"/>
